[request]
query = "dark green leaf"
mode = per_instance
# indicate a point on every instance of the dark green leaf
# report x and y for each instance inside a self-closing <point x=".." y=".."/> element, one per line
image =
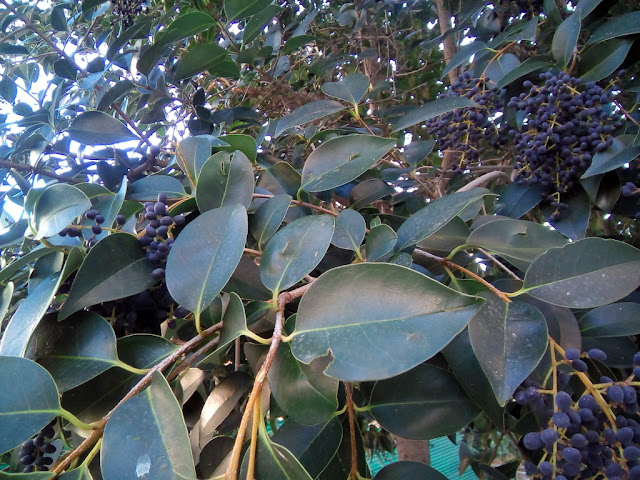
<point x="193" y="152"/>
<point x="93" y="400"/>
<point x="294" y="43"/>
<point x="565" y="39"/>
<point x="255" y="26"/>
<point x="349" y="231"/>
<point x="268" y="217"/>
<point x="246" y="282"/>
<point x="9" y="49"/>
<point x="465" y="366"/>
<point x="65" y="69"/>
<point x="205" y="255"/>
<point x="423" y="403"/>
<point x="15" y="234"/>
<point x="380" y="243"/>
<point x="516" y="200"/>
<point x="57" y="207"/>
<point x="149" y="187"/>
<point x="225" y="180"/>
<point x="155" y="445"/>
<point x="625" y="24"/>
<point x="584" y="274"/>
<point x="620" y="152"/>
<point x="273" y="461"/>
<point x="351" y="89"/>
<point x="430" y="110"/>
<point x="419" y="319"/>
<point x="615" y="320"/>
<point x="369" y="191"/>
<point x="308" y="113"/>
<point x="406" y="469"/>
<point x="86" y="348"/>
<point x="114" y="93"/>
<point x="27" y="403"/>
<point x="342" y="159"/>
<point x="235" y="141"/>
<point x="8" y="89"/>
<point x="509" y="340"/>
<point x="295" y="251"/>
<point x="304" y="392"/>
<point x="280" y="178"/>
<point x="603" y="59"/>
<point x="417" y="151"/>
<point x="98" y="128"/>
<point x="463" y="56"/>
<point x="116" y="267"/>
<point x="7" y="272"/>
<point x="80" y="473"/>
<point x="435" y="215"/>
<point x="313" y="446"/>
<point x="138" y="29"/>
<point x="239" y="9"/>
<point x="573" y="221"/>
<point x="452" y="235"/>
<point x="518" y="241"/>
<point x="198" y="59"/>
<point x="186" y="26"/>
<point x="500" y="67"/>
<point x="24" y="321"/>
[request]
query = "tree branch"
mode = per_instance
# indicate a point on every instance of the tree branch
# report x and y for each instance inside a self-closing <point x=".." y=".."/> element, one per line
<point x="38" y="170"/>
<point x="444" y="19"/>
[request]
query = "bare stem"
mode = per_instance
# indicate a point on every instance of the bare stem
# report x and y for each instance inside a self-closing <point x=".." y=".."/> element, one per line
<point x="353" y="472"/>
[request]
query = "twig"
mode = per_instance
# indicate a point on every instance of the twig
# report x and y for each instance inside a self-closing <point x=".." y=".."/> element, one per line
<point x="484" y="179"/>
<point x="38" y="170"/>
<point x="353" y="472"/>
<point x="96" y="434"/>
<point x="450" y="264"/>
<point x="300" y="204"/>
<point x="187" y="362"/>
<point x="499" y="264"/>
<point x="254" y="397"/>
<point x="131" y="123"/>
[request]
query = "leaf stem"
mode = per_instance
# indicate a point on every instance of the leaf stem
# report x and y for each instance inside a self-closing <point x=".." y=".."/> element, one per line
<point x="77" y="422"/>
<point x="129" y="368"/>
<point x="353" y="472"/>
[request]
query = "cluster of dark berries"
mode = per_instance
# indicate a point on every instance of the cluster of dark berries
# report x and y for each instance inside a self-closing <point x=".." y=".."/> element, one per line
<point x="33" y="453"/>
<point x="565" y="124"/>
<point x="96" y="228"/>
<point x="127" y="10"/>
<point x="467" y="130"/>
<point x="595" y="436"/>
<point x="141" y="313"/>
<point x="156" y="238"/>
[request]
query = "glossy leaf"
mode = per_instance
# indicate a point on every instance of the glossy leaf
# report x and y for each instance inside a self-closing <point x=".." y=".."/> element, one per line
<point x="186" y="26"/>
<point x="584" y="274"/>
<point x="156" y="445"/>
<point x="452" y="235"/>
<point x="29" y="404"/>
<point x="435" y="215"/>
<point x="419" y="318"/>
<point x="565" y="39"/>
<point x="57" y="207"/>
<point x="603" y="59"/>
<point x="303" y="391"/>
<point x="620" y="152"/>
<point x="237" y="141"/>
<point x="430" y="110"/>
<point x="225" y="180"/>
<point x="148" y="188"/>
<point x="509" y="340"/>
<point x="380" y="243"/>
<point x="193" y="152"/>
<point x="526" y="67"/>
<point x="500" y="67"/>
<point x="518" y="241"/>
<point x="204" y="256"/>
<point x="349" y="231"/>
<point x="625" y="24"/>
<point x="116" y="267"/>
<point x="198" y="59"/>
<point x="516" y="200"/>
<point x="313" y="445"/>
<point x="574" y="220"/>
<point x="273" y="461"/>
<point x="24" y="321"/>
<point x="423" y="403"/>
<point x="405" y="469"/>
<point x="615" y="320"/>
<point x="239" y="9"/>
<point x="308" y="113"/>
<point x="295" y="251"/>
<point x="465" y="366"/>
<point x="268" y="217"/>
<point x="342" y="159"/>
<point x="98" y="128"/>
<point x="86" y="348"/>
<point x="94" y="399"/>
<point x="32" y="256"/>
<point x="368" y="192"/>
<point x="351" y="88"/>
<point x="463" y="55"/>
<point x="246" y="282"/>
<point x="280" y="178"/>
